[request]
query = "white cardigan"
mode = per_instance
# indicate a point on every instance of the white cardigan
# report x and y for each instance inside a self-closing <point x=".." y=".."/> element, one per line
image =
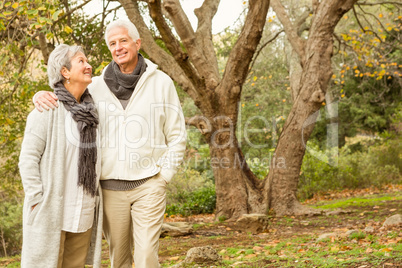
<point x="147" y="137"/>
<point x="42" y="168"/>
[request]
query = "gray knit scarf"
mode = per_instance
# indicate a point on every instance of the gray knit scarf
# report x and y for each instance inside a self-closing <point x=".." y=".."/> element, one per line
<point x="122" y="85"/>
<point x="86" y="116"/>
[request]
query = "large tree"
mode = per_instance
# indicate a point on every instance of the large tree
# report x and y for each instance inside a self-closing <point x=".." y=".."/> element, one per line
<point x="191" y="62"/>
<point x="188" y="56"/>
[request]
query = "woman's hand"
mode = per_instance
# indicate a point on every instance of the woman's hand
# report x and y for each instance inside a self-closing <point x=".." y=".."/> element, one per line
<point x="46" y="100"/>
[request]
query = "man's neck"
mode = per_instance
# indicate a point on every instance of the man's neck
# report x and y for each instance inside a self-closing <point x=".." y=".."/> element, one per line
<point x="129" y="68"/>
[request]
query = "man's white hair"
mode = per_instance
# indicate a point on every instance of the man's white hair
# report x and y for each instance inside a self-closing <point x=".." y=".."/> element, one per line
<point x="132" y="30"/>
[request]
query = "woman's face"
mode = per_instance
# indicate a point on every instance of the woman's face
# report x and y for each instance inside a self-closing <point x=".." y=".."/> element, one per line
<point x="80" y="71"/>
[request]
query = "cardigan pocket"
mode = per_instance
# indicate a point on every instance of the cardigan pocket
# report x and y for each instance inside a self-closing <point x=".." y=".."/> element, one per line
<point x="32" y="212"/>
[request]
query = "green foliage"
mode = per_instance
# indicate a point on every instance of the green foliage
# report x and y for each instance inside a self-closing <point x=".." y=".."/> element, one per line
<point x="380" y="164"/>
<point x="259" y="167"/>
<point x="190" y="193"/>
<point x="198" y="202"/>
<point x="10" y="227"/>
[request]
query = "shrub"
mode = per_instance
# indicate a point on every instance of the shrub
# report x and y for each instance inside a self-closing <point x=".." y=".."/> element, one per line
<point x="190" y="193"/>
<point x="380" y="164"/>
<point x="10" y="227"/>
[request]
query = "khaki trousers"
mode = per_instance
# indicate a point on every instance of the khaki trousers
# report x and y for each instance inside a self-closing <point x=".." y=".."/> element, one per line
<point x="133" y="219"/>
<point x="74" y="249"/>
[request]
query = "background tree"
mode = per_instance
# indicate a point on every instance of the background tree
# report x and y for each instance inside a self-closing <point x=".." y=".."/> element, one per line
<point x="188" y="56"/>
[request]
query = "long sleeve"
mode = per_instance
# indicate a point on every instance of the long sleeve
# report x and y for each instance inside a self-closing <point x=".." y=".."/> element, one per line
<point x="32" y="148"/>
<point x="175" y="133"/>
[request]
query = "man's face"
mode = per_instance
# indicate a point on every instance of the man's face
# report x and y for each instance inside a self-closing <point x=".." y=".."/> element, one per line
<point x="124" y="49"/>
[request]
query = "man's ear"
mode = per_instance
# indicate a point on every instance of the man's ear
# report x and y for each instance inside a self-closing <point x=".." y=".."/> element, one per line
<point x="138" y="42"/>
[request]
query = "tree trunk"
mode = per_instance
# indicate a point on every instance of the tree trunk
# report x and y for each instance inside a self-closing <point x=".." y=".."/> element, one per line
<point x="315" y="56"/>
<point x="238" y="190"/>
<point x="195" y="69"/>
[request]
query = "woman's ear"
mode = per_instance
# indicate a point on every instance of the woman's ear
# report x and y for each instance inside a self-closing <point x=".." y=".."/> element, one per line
<point x="65" y="73"/>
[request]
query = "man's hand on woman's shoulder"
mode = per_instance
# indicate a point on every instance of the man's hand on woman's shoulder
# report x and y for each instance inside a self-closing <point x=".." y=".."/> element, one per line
<point x="45" y="100"/>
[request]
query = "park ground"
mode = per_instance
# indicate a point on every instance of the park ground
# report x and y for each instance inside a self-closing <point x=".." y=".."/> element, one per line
<point x="292" y="241"/>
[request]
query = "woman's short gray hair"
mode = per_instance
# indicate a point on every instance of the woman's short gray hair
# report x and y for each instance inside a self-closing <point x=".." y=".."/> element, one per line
<point x="132" y="30"/>
<point x="60" y="57"/>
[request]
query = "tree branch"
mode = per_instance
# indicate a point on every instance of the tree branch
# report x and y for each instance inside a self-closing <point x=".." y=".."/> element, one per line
<point x="378" y="21"/>
<point x="240" y="57"/>
<point x="205" y="14"/>
<point x="381" y="3"/>
<point x="172" y="44"/>
<point x="66" y="5"/>
<point x="315" y="4"/>
<point x="70" y="11"/>
<point x="200" y="122"/>
<point x="361" y="26"/>
<point x="301" y="22"/>
<point x="190" y="42"/>
<point x="165" y="61"/>
<point x="263" y="46"/>
<point x="17" y="82"/>
<point x="291" y="32"/>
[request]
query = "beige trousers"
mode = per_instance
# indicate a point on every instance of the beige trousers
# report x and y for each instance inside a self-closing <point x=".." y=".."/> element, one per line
<point x="74" y="249"/>
<point x="133" y="219"/>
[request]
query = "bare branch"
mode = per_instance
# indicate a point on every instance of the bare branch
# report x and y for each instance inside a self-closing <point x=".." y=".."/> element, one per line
<point x="291" y="32"/>
<point x="340" y="42"/>
<point x="361" y="26"/>
<point x="200" y="122"/>
<point x="70" y="11"/>
<point x="43" y="46"/>
<point x="381" y="3"/>
<point x="190" y="42"/>
<point x="240" y="57"/>
<point x="375" y="17"/>
<point x="315" y="4"/>
<point x="17" y="82"/>
<point x="263" y="46"/>
<point x="165" y="61"/>
<point x="66" y="6"/>
<point x="301" y="22"/>
<point x="205" y="14"/>
<point x="172" y="44"/>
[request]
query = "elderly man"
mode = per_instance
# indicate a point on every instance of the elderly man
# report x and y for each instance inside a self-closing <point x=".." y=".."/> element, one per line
<point x="143" y="140"/>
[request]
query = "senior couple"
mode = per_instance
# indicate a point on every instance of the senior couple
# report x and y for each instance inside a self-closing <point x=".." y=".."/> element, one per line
<point x="101" y="160"/>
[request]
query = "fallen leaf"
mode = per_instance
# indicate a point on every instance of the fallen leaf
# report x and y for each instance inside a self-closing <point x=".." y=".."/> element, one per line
<point x="343" y="248"/>
<point x="175" y="258"/>
<point x="369" y="250"/>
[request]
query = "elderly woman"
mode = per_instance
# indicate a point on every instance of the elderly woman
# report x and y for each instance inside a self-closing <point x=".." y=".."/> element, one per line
<point x="62" y="218"/>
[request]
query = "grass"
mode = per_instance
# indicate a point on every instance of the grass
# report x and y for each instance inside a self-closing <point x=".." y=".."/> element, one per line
<point x="292" y="241"/>
<point x="358" y="202"/>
